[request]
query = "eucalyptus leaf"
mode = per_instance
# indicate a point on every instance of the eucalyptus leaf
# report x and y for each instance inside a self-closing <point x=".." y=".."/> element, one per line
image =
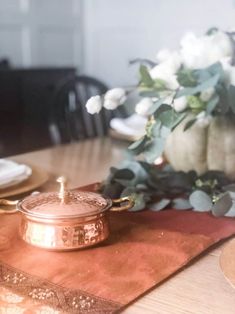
<point x="157" y="206"/>
<point x="223" y="205"/>
<point x="138" y="146"/>
<point x="138" y="198"/>
<point x="195" y="102"/>
<point x="179" y="117"/>
<point x="143" y="61"/>
<point x="186" y="78"/>
<point x="189" y="124"/>
<point x="206" y="73"/>
<point x="200" y="201"/>
<point x="124" y="173"/>
<point x="212" y="104"/>
<point x="139" y="172"/>
<point x="159" y="84"/>
<point x="231" y="190"/>
<point x="212" y="30"/>
<point x="215" y="68"/>
<point x="128" y="191"/>
<point x="154" y="149"/>
<point x="167" y="118"/>
<point x="211" y="82"/>
<point x="170" y="118"/>
<point x="156" y="129"/>
<point x="112" y="190"/>
<point x="143" y="92"/>
<point x="231" y="97"/>
<point x="223" y="104"/>
<point x="156" y="105"/>
<point x="181" y="204"/>
<point x="231" y="212"/>
<point x="145" y="76"/>
<point x="164" y="132"/>
<point x="139" y="202"/>
<point x="162" y="108"/>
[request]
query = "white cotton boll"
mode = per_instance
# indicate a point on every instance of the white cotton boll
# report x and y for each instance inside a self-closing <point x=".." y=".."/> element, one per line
<point x="203" y="120"/>
<point x="207" y="94"/>
<point x="180" y="104"/>
<point x="117" y="94"/>
<point x="110" y="104"/>
<point x="166" y="71"/>
<point x="222" y="42"/>
<point x="94" y="104"/>
<point x="174" y="61"/>
<point x="172" y="82"/>
<point x="143" y="106"/>
<point x="201" y="52"/>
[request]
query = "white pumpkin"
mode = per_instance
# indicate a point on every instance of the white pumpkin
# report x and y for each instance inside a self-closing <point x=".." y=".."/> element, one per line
<point x="203" y="148"/>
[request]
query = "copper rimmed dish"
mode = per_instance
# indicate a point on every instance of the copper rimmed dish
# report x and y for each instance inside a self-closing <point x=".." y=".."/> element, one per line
<point x="66" y="220"/>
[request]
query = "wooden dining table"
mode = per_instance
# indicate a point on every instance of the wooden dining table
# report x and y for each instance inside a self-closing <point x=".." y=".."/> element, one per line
<point x="199" y="288"/>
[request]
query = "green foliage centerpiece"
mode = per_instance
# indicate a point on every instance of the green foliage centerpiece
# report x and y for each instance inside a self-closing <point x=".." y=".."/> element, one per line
<point x="188" y="97"/>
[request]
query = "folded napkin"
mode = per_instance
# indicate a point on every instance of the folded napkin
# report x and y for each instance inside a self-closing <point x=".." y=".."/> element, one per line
<point x="12" y="173"/>
<point x="131" y="126"/>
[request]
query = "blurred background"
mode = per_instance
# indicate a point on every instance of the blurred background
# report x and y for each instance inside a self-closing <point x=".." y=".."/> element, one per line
<point x="46" y="43"/>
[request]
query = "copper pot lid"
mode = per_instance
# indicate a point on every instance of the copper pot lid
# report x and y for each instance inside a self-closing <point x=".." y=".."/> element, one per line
<point x="64" y="204"/>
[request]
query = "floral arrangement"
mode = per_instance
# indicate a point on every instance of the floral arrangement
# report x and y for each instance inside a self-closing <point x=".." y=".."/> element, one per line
<point x="196" y="81"/>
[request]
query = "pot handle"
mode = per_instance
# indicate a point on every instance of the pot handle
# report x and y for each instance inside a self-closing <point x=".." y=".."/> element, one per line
<point x="8" y="203"/>
<point x="127" y="199"/>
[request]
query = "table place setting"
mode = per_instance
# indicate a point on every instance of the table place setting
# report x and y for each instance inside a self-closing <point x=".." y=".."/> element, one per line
<point x="12" y="173"/>
<point x="18" y="178"/>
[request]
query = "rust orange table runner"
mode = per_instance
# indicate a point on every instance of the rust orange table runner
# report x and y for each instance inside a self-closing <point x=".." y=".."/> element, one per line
<point x="144" y="249"/>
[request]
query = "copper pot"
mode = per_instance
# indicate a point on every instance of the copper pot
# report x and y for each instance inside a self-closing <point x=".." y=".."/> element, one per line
<point x="66" y="220"/>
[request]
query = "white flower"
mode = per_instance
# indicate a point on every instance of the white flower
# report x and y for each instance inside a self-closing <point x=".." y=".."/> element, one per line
<point x="180" y="104"/>
<point x="94" y="104"/>
<point x="116" y="94"/>
<point x="201" y="52"/>
<point x="143" y="106"/>
<point x="167" y="69"/>
<point x="110" y="104"/>
<point x="207" y="94"/>
<point x="203" y="120"/>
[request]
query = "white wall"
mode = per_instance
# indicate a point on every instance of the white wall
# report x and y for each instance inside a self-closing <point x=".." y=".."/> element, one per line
<point x="41" y="32"/>
<point x="101" y="36"/>
<point x="117" y="31"/>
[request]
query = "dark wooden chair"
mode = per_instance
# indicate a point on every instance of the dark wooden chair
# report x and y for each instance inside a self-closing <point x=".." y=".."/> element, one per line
<point x="69" y="119"/>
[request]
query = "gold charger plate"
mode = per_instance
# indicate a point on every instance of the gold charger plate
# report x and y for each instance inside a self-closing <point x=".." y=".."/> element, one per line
<point x="227" y="262"/>
<point x="37" y="178"/>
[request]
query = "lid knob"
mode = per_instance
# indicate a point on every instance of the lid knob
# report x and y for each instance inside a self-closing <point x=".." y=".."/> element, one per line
<point x="63" y="193"/>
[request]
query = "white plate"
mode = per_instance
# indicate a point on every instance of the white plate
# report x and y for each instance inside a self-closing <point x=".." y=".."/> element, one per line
<point x="12" y="173"/>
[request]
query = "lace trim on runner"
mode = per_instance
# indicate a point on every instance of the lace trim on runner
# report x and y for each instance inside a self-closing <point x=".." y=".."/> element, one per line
<point x="58" y="297"/>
